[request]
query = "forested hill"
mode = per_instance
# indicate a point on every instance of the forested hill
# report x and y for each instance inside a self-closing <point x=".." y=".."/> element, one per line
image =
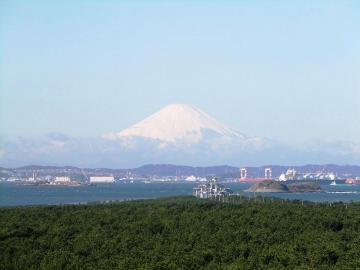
<point x="182" y="233"/>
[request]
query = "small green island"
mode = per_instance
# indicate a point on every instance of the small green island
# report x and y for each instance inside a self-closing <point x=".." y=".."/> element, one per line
<point x="304" y="187"/>
<point x="277" y="187"/>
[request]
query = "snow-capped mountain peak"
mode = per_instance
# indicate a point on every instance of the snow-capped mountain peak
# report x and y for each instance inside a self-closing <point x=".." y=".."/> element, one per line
<point x="177" y="122"/>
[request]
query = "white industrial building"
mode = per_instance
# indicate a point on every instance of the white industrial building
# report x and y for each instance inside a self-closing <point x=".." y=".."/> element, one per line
<point x="62" y="179"/>
<point x="191" y="178"/>
<point x="102" y="179"/>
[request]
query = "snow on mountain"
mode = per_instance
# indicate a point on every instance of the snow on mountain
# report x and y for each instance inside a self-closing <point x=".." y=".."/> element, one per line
<point x="177" y="134"/>
<point x="179" y="123"/>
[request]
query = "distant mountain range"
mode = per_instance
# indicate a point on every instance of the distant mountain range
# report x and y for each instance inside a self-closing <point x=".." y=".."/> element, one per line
<point x="163" y="170"/>
<point x="177" y="134"/>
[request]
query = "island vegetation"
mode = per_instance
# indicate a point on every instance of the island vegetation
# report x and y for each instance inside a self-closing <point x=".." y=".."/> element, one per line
<point x="304" y="187"/>
<point x="182" y="233"/>
<point x="268" y="186"/>
<point x="276" y="186"/>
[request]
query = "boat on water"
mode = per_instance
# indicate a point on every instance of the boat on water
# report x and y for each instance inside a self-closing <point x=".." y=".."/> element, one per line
<point x="333" y="183"/>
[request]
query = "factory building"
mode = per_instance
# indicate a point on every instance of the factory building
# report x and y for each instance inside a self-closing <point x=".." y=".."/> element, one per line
<point x="102" y="179"/>
<point x="62" y="179"/>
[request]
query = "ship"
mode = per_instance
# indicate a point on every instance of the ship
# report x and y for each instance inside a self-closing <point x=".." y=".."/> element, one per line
<point x="253" y="180"/>
<point x="333" y="183"/>
<point x="245" y="179"/>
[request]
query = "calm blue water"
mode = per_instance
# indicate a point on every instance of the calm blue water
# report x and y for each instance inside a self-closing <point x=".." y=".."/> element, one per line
<point x="13" y="194"/>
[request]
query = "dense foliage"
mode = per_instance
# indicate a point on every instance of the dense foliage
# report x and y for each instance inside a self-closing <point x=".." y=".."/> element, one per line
<point x="182" y="233"/>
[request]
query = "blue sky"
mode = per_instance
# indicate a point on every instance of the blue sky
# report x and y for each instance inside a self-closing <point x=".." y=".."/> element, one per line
<point x="286" y="70"/>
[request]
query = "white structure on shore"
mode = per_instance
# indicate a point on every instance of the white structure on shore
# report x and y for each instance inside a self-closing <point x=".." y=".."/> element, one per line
<point x="243" y="173"/>
<point x="62" y="179"/>
<point x="102" y="179"/>
<point x="268" y="173"/>
<point x="211" y="189"/>
<point x="292" y="174"/>
<point x="191" y="178"/>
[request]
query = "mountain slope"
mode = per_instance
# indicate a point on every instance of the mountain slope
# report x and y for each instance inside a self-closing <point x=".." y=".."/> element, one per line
<point x="179" y="123"/>
<point x="177" y="134"/>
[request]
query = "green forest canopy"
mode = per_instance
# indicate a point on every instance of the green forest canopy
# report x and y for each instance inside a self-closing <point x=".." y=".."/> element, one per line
<point x="182" y="233"/>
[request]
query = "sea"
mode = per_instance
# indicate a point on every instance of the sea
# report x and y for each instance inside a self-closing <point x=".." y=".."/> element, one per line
<point x="13" y="194"/>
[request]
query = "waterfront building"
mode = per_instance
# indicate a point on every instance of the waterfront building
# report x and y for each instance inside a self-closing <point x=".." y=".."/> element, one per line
<point x="102" y="179"/>
<point x="62" y="179"/>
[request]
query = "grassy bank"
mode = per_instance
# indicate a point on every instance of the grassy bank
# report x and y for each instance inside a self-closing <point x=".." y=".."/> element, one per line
<point x="183" y="232"/>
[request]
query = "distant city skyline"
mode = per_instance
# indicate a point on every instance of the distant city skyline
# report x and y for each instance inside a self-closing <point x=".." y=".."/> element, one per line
<point x="288" y="71"/>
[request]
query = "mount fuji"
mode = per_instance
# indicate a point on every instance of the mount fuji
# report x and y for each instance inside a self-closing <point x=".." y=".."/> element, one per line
<point x="183" y="125"/>
<point x="177" y="134"/>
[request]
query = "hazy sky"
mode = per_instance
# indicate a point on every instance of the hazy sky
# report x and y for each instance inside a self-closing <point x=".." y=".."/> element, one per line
<point x="286" y="70"/>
